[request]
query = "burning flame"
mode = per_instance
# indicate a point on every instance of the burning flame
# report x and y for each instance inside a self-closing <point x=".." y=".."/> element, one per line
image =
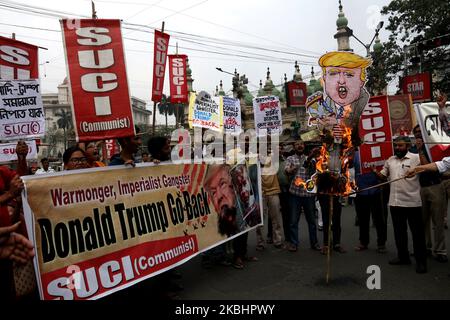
<point x="347" y="145"/>
<point x="346" y="148"/>
<point x="299" y="182"/>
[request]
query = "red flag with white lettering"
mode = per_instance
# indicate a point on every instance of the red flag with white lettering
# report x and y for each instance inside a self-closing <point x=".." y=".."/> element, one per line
<point x="159" y="64"/>
<point x="178" y="79"/>
<point x="18" y="60"/>
<point x="375" y="130"/>
<point x="98" y="80"/>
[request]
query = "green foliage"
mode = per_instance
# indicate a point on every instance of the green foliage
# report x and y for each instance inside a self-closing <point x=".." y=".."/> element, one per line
<point x="410" y="23"/>
<point x="167" y="108"/>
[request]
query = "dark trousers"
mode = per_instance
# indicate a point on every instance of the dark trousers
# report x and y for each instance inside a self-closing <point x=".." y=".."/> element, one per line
<point x="371" y="205"/>
<point x="240" y="246"/>
<point x="401" y="217"/>
<point x="285" y="213"/>
<point x="324" y="201"/>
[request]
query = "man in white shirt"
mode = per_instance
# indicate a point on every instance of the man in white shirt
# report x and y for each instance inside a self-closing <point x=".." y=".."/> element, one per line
<point x="405" y="204"/>
<point x="441" y="166"/>
<point x="45" y="167"/>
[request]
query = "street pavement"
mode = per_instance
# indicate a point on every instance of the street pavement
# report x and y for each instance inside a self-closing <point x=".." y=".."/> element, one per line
<point x="283" y="275"/>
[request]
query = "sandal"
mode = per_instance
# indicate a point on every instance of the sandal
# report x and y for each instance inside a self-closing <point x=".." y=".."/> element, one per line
<point x="360" y="247"/>
<point x="260" y="247"/>
<point x="339" y="249"/>
<point x="238" y="264"/>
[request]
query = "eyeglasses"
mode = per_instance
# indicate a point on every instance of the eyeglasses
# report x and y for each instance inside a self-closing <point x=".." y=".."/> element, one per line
<point x="78" y="160"/>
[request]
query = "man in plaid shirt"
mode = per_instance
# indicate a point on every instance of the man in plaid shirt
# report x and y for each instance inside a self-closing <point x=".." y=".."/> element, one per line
<point x="300" y="198"/>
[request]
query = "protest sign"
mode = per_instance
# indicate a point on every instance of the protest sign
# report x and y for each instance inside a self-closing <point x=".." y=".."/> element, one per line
<point x="95" y="60"/>
<point x="8" y="151"/>
<point x="267" y="112"/>
<point x="18" y="60"/>
<point x="435" y="129"/>
<point x="206" y="111"/>
<point x="178" y="78"/>
<point x="375" y="130"/>
<point x="232" y="115"/>
<point x="296" y="94"/>
<point x="400" y="110"/>
<point x="21" y="111"/>
<point x="97" y="231"/>
<point x="418" y="85"/>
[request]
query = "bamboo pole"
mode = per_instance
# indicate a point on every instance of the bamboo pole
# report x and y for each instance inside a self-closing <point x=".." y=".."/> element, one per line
<point x="330" y="216"/>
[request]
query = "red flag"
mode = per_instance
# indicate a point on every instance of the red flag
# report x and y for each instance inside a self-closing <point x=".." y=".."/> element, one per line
<point x="178" y="79"/>
<point x="296" y="94"/>
<point x="18" y="60"/>
<point x="418" y="85"/>
<point x="375" y="130"/>
<point x="159" y="64"/>
<point x="98" y="79"/>
<point x="110" y="148"/>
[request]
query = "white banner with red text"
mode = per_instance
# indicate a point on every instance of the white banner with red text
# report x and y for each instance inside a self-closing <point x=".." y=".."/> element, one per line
<point x="97" y="231"/>
<point x="267" y="112"/>
<point x="8" y="151"/>
<point x="232" y="123"/>
<point x="435" y="127"/>
<point x="21" y="109"/>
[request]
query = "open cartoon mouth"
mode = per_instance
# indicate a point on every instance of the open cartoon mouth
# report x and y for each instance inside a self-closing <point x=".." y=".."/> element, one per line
<point x="342" y="91"/>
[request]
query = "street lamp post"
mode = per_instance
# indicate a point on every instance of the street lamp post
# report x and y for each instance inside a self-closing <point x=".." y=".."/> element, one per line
<point x="367" y="46"/>
<point x="236" y="86"/>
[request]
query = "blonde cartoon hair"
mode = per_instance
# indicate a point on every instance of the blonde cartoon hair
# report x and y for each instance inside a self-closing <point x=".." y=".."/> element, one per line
<point x="344" y="59"/>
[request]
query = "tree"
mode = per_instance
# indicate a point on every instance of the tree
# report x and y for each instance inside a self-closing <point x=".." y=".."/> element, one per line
<point x="422" y="26"/>
<point x="167" y="108"/>
<point x="64" y="122"/>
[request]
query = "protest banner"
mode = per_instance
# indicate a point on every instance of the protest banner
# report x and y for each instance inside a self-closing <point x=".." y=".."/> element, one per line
<point x="18" y="60"/>
<point x="400" y="110"/>
<point x="375" y="130"/>
<point x="21" y="110"/>
<point x="232" y="122"/>
<point x="205" y="111"/>
<point x="178" y="78"/>
<point x="95" y="61"/>
<point x="8" y="151"/>
<point x="296" y="94"/>
<point x="435" y="129"/>
<point x="267" y="112"/>
<point x="97" y="231"/>
<point x="160" y="48"/>
<point x="418" y="85"/>
<point x="110" y="148"/>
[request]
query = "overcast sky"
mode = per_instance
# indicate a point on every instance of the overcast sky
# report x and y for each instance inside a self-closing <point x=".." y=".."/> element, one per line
<point x="304" y="28"/>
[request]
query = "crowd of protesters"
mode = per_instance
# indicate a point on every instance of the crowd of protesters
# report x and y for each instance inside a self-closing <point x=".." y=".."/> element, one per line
<point x="417" y="197"/>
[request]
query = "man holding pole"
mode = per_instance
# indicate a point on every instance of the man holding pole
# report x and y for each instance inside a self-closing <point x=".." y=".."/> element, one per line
<point x="405" y="204"/>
